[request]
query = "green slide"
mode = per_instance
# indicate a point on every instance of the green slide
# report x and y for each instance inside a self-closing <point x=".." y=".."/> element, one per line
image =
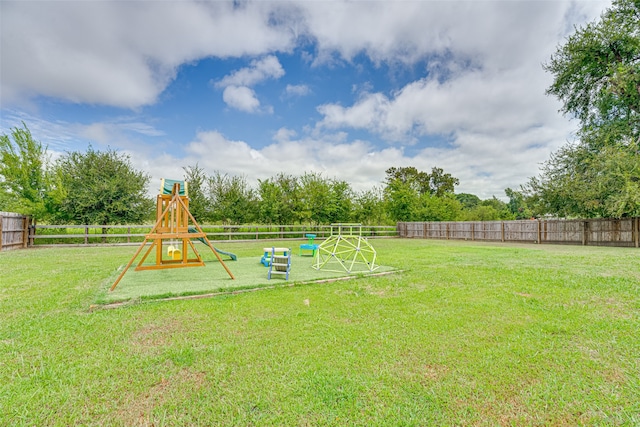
<point x="234" y="257"/>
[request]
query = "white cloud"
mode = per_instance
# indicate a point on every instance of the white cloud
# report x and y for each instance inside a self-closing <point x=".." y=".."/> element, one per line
<point x="284" y="134"/>
<point x="237" y="92"/>
<point x="497" y="129"/>
<point x="502" y="32"/>
<point x="241" y="98"/>
<point x="297" y="90"/>
<point x="125" y="53"/>
<point x="122" y="53"/>
<point x="258" y="71"/>
<point x="481" y="86"/>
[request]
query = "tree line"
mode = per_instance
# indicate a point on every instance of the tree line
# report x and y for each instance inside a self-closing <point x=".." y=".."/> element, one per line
<point x="103" y="187"/>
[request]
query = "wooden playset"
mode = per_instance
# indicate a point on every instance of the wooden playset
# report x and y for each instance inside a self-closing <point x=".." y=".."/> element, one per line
<point x="173" y="223"/>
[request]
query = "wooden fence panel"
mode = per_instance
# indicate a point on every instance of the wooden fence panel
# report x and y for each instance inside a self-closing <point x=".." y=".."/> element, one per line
<point x="521" y="231"/>
<point x="563" y="232"/>
<point x="615" y="232"/>
<point x="460" y="230"/>
<point x="14" y="231"/>
<point x="623" y="232"/>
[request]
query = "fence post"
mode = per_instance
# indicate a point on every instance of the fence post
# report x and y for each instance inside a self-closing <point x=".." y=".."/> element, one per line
<point x="502" y="231"/>
<point x="1" y="221"/>
<point x="539" y="232"/>
<point x="32" y="233"/>
<point x="128" y="234"/>
<point x="585" y="231"/>
<point x="86" y="234"/>
<point x="25" y="231"/>
<point x="447" y="225"/>
<point x="637" y="227"/>
<point x="473" y="230"/>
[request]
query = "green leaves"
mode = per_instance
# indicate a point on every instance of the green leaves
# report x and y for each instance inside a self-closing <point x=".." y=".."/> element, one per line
<point x="597" y="72"/>
<point x="101" y="188"/>
<point x="23" y="173"/>
<point x="597" y="77"/>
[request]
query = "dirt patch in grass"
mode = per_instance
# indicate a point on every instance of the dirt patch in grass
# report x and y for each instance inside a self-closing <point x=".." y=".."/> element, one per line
<point x="138" y="410"/>
<point x="155" y="336"/>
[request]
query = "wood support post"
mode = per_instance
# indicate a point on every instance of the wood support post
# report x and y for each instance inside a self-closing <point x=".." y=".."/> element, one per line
<point x="32" y="233"/>
<point x="585" y="233"/>
<point x="539" y="232"/>
<point x="25" y="231"/>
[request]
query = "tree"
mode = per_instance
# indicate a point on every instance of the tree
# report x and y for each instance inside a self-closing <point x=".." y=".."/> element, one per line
<point x="101" y="187"/>
<point x="23" y="174"/>
<point x="435" y="208"/>
<point x="437" y="182"/>
<point x="232" y="200"/>
<point x="468" y="201"/>
<point x="197" y="181"/>
<point x="414" y="179"/>
<point x="401" y="200"/>
<point x="279" y="199"/>
<point x="597" y="77"/>
<point x="596" y="72"/>
<point x="409" y="192"/>
<point x="517" y="204"/>
<point x="315" y="195"/>
<point x="441" y="183"/>
<point x="580" y="182"/>
<point x="368" y="207"/>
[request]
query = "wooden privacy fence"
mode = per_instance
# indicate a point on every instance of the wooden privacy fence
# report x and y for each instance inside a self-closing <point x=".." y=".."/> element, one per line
<point x="593" y="232"/>
<point x="14" y="231"/>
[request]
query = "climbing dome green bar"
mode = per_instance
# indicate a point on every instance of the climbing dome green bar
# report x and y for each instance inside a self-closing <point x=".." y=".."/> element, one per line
<point x="346" y="250"/>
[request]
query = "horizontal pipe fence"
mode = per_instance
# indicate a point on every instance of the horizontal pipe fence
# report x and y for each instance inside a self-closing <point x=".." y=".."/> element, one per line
<point x="14" y="231"/>
<point x="46" y="235"/>
<point x="592" y="232"/>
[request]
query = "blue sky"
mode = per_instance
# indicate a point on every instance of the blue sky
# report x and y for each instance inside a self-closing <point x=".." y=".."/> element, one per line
<point x="345" y="89"/>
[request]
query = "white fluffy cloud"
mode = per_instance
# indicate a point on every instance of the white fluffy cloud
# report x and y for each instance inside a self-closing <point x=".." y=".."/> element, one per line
<point x="237" y="91"/>
<point x="258" y="71"/>
<point x="481" y="88"/>
<point x="297" y="90"/>
<point x="332" y="156"/>
<point x="241" y="98"/>
<point x="122" y="53"/>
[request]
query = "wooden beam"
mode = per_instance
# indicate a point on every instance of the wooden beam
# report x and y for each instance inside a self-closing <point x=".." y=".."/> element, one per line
<point x="127" y="267"/>
<point x="25" y="231"/>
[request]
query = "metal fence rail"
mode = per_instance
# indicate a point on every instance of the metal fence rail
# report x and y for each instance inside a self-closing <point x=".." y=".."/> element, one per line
<point x="46" y="235"/>
<point x="593" y="232"/>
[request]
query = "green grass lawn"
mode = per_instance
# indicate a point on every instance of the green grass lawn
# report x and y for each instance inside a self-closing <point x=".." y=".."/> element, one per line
<point x="467" y="334"/>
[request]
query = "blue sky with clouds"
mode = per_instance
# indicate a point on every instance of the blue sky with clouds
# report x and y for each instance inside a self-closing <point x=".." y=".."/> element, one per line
<point x="345" y="89"/>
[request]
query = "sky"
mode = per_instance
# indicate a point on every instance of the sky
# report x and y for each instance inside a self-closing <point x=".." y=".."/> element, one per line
<point x="345" y="89"/>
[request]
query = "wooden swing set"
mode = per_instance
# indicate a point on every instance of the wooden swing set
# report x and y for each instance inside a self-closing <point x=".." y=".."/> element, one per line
<point x="172" y="223"/>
